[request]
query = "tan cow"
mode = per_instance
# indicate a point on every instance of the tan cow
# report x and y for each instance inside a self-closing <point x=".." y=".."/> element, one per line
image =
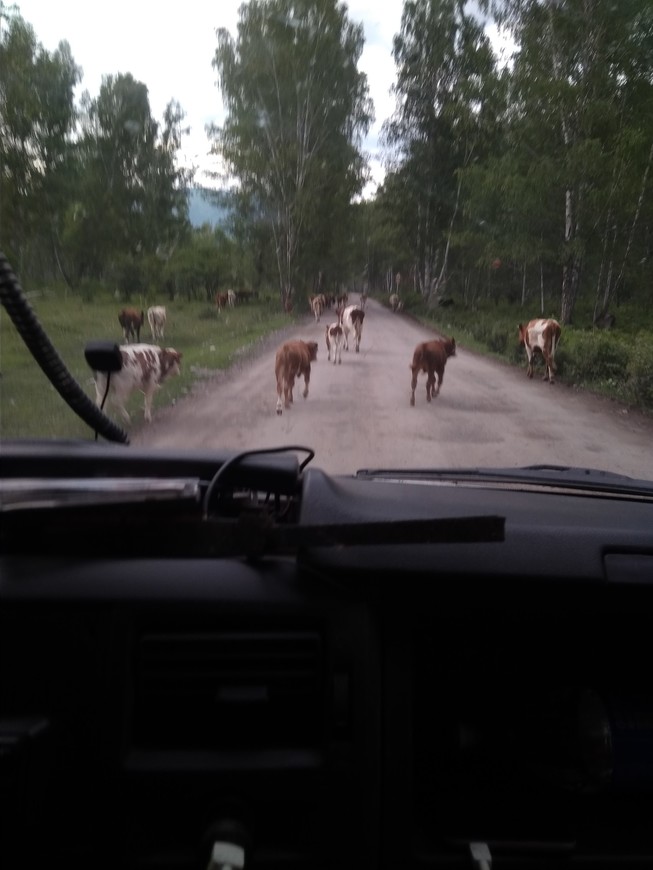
<point x="541" y="336"/>
<point x="318" y="304"/>
<point x="293" y="360"/>
<point x="431" y="357"/>
<point x="156" y="317"/>
<point x="334" y="338"/>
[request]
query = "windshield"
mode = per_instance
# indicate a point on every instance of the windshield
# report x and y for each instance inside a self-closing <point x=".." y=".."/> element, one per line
<point x="405" y="235"/>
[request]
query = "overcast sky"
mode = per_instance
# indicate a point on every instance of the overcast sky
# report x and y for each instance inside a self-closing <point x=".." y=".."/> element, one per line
<point x="169" y="47"/>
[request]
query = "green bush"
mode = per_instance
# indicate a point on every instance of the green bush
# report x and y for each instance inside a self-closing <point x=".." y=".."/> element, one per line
<point x="639" y="386"/>
<point x="592" y="358"/>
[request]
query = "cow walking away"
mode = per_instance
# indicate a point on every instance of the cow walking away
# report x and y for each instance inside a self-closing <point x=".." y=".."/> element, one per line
<point x="144" y="367"/>
<point x="293" y="360"/>
<point x="541" y="336"/>
<point x="156" y="317"/>
<point x="431" y="357"/>
<point x="318" y="305"/>
<point x="352" y="323"/>
<point x="131" y="321"/>
<point x="395" y="302"/>
<point x="334" y="339"/>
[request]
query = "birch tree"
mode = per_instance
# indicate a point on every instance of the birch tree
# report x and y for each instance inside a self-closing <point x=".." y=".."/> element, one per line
<point x="582" y="96"/>
<point x="446" y="103"/>
<point x="297" y="110"/>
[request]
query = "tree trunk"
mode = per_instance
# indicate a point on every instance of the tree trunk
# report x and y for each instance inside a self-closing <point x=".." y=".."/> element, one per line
<point x="573" y="264"/>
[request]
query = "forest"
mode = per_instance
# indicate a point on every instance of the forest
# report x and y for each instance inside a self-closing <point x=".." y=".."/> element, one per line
<point x="512" y="189"/>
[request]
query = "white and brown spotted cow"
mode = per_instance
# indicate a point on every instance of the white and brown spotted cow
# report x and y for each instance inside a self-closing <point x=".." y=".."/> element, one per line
<point x="293" y="360"/>
<point x="352" y="322"/>
<point x="131" y="321"/>
<point x="431" y="357"/>
<point x="541" y="336"/>
<point x="144" y="367"/>
<point x="156" y="317"/>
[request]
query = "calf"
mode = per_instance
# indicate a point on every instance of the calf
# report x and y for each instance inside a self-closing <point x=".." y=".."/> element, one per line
<point x="231" y="298"/>
<point x="156" y="317"/>
<point x="395" y="302"/>
<point x="131" y="321"/>
<point x="352" y="322"/>
<point x="293" y="360"/>
<point x="317" y="306"/>
<point x="144" y="368"/>
<point x="431" y="357"/>
<point x="541" y="336"/>
<point x="334" y="335"/>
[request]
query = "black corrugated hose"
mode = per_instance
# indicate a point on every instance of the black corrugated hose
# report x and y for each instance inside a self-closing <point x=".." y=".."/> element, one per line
<point x="41" y="348"/>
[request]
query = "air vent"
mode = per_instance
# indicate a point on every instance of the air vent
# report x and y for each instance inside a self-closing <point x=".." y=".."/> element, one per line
<point x="229" y="691"/>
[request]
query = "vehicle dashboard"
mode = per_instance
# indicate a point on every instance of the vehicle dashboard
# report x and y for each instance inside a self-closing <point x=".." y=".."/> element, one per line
<point x="366" y="671"/>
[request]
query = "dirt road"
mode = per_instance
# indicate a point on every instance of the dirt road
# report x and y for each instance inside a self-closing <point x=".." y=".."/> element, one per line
<point x="357" y="414"/>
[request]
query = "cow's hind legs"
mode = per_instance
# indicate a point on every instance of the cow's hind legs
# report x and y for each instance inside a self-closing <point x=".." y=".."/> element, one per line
<point x="413" y="384"/>
<point x="430" y="386"/>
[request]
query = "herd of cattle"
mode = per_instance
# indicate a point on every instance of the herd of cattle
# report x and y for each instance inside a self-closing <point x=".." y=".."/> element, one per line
<point x="293" y="359"/>
<point x="146" y="366"/>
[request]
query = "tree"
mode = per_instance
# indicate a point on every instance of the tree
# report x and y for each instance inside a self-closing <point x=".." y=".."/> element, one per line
<point x="446" y="109"/>
<point x="297" y="110"/>
<point x="132" y="198"/>
<point x="37" y="118"/>
<point x="582" y="98"/>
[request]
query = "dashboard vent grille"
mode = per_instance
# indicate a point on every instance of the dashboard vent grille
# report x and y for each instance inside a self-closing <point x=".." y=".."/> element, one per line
<point x="229" y="691"/>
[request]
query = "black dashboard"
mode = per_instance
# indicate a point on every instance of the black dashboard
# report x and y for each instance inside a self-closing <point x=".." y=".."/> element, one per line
<point x="384" y="670"/>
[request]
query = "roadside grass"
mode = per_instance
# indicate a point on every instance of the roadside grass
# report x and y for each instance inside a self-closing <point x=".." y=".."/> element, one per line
<point x="30" y="407"/>
<point x="617" y="364"/>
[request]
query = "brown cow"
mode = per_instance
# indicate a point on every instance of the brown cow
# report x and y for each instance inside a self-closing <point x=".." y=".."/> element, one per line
<point x="540" y="336"/>
<point x="221" y="301"/>
<point x="131" y="321"/>
<point x="293" y="360"/>
<point x="431" y="357"/>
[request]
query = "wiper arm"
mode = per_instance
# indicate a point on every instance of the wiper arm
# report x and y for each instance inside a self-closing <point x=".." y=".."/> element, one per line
<point x="250" y="535"/>
<point x="559" y="477"/>
<point x="257" y="536"/>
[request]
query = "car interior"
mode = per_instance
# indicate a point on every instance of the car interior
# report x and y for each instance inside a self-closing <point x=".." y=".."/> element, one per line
<point x="220" y="659"/>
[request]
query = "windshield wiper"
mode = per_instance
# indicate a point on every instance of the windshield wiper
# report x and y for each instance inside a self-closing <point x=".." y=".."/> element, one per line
<point x="559" y="478"/>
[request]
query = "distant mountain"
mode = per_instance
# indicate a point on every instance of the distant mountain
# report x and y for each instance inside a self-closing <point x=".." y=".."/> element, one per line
<point x="202" y="210"/>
